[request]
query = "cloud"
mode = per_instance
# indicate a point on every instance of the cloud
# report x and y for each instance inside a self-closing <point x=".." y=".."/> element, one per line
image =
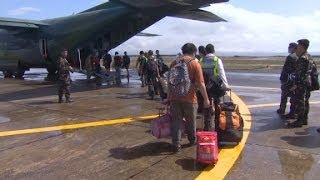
<point x="22" y="11"/>
<point x="245" y="31"/>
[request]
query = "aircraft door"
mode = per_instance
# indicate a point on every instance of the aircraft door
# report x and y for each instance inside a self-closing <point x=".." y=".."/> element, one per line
<point x="43" y="45"/>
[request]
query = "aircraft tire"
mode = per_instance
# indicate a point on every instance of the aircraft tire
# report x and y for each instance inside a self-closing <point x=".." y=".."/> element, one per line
<point x="20" y="73"/>
<point x="52" y="73"/>
<point x="8" y="74"/>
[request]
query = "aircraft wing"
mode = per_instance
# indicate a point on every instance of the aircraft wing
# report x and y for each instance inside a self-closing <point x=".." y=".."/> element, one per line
<point x="11" y="23"/>
<point x="147" y="34"/>
<point x="199" y="15"/>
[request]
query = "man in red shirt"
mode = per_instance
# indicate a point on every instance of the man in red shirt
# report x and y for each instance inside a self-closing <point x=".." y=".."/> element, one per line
<point x="186" y="106"/>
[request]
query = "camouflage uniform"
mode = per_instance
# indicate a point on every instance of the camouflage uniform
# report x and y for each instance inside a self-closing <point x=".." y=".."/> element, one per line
<point x="303" y="83"/>
<point x="64" y="79"/>
<point x="287" y="83"/>
<point x="142" y="62"/>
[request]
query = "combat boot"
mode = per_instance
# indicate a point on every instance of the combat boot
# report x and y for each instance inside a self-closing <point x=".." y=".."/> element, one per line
<point x="68" y="100"/>
<point x="305" y="122"/>
<point x="280" y="112"/>
<point x="290" y="116"/>
<point x="60" y="99"/>
<point x="296" y="124"/>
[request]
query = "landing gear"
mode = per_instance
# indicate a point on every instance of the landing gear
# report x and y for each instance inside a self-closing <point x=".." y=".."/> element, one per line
<point x="20" y="73"/>
<point x="8" y="74"/>
<point x="52" y="73"/>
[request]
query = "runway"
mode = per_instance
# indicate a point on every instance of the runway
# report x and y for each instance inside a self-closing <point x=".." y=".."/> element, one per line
<point x="105" y="133"/>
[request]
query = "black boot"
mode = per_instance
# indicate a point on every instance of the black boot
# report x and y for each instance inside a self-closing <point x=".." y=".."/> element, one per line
<point x="305" y="122"/>
<point x="295" y="124"/>
<point x="290" y="116"/>
<point x="280" y="111"/>
<point x="68" y="100"/>
<point x="60" y="99"/>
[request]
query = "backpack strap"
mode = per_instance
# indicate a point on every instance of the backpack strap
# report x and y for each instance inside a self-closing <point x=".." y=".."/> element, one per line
<point x="189" y="60"/>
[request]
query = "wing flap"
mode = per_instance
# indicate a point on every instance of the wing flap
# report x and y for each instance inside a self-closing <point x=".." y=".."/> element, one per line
<point x="11" y="23"/>
<point x="199" y="15"/>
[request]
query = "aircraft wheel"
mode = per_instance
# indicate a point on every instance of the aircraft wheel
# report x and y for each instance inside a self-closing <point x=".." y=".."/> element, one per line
<point x="20" y="73"/>
<point x="8" y="74"/>
<point x="52" y="73"/>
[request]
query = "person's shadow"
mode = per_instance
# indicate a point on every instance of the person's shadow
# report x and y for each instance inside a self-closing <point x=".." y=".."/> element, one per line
<point x="149" y="149"/>
<point x="309" y="138"/>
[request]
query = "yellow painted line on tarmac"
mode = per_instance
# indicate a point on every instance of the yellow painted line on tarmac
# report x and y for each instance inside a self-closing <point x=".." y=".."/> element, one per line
<point x="228" y="157"/>
<point x="76" y="126"/>
<point x="274" y="104"/>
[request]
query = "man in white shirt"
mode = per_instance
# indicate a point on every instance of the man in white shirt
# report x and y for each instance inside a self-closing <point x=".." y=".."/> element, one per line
<point x="215" y="80"/>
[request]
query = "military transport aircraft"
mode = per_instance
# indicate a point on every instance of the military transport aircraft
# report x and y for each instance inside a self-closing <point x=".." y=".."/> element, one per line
<point x="28" y="44"/>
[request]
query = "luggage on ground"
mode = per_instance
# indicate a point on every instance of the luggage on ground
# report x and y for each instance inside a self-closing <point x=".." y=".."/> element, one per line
<point x="230" y="125"/>
<point x="161" y="126"/>
<point x="207" y="147"/>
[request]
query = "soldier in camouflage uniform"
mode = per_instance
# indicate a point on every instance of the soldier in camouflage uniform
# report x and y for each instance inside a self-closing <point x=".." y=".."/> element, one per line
<point x="287" y="78"/>
<point x="64" y="77"/>
<point x="302" y="83"/>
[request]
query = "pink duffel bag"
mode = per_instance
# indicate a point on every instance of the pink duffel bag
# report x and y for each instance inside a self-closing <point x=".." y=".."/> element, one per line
<point x="161" y="126"/>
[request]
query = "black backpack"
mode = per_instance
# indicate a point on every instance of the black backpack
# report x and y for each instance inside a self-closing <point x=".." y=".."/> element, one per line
<point x="314" y="77"/>
<point x="152" y="67"/>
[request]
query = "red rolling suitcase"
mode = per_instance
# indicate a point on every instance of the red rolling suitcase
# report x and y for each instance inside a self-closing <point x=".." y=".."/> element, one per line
<point x="207" y="147"/>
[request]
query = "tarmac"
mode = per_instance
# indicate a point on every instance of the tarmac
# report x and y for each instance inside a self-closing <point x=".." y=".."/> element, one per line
<point x="105" y="134"/>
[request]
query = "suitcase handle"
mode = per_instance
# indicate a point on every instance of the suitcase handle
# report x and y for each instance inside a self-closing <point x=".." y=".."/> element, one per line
<point x="164" y="110"/>
<point x="205" y="144"/>
<point x="229" y="96"/>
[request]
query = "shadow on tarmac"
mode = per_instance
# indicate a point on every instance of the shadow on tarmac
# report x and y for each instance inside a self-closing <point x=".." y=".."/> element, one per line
<point x="149" y="149"/>
<point x="190" y="164"/>
<point x="309" y="138"/>
<point x="79" y="86"/>
<point x="132" y="95"/>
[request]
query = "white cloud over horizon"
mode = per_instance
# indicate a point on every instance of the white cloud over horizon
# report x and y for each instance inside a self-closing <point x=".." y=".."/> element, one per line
<point x="22" y="11"/>
<point x="245" y="31"/>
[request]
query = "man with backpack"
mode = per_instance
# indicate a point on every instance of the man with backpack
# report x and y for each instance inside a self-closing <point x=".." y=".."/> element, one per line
<point x="153" y="74"/>
<point x="183" y="79"/>
<point x="163" y="68"/>
<point x="117" y="64"/>
<point x="202" y="54"/>
<point x="126" y="63"/>
<point x="107" y="60"/>
<point x="304" y="82"/>
<point x="287" y="80"/>
<point x="215" y="81"/>
<point x="141" y="66"/>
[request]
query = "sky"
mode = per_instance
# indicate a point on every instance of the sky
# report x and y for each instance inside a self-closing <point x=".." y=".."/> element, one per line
<point x="254" y="26"/>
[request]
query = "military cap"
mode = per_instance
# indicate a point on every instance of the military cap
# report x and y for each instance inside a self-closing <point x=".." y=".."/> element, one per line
<point x="293" y="45"/>
<point x="304" y="43"/>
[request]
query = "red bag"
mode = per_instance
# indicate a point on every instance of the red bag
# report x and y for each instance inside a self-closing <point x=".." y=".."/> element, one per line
<point x="207" y="147"/>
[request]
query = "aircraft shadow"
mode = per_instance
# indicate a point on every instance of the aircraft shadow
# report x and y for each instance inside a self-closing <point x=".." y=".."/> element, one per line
<point x="45" y="91"/>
